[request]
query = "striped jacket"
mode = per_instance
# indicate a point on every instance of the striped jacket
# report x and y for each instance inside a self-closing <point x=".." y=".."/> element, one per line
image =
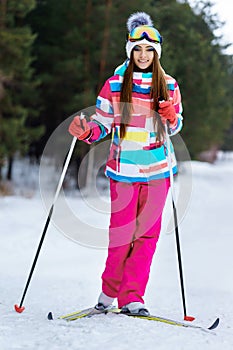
<point x="138" y="157"/>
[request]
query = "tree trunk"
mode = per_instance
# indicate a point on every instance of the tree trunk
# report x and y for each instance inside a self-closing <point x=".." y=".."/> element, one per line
<point x="87" y="54"/>
<point x="3" y="4"/>
<point x="105" y="45"/>
<point x="2" y="26"/>
<point x="10" y="166"/>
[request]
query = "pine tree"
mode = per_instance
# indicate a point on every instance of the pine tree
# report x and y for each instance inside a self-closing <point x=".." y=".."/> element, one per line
<point x="79" y="44"/>
<point x="193" y="55"/>
<point x="18" y="125"/>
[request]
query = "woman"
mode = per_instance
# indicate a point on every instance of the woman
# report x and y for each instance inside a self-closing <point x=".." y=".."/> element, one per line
<point x="134" y="104"/>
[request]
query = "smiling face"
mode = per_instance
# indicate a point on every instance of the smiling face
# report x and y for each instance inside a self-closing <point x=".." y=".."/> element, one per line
<point x="143" y="55"/>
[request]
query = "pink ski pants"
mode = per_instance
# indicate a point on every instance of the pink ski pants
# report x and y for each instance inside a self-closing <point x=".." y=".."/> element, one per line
<point x="135" y="224"/>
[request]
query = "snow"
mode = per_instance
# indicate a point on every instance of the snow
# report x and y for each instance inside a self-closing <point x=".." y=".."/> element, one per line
<point x="67" y="276"/>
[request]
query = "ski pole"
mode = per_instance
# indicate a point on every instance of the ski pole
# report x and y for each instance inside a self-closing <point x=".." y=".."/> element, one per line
<point x="169" y="160"/>
<point x="21" y="308"/>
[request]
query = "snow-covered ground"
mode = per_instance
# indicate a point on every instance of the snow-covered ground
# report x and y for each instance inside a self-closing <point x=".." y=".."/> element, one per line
<point x="67" y="276"/>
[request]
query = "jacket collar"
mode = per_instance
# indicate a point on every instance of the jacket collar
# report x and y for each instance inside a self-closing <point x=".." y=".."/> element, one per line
<point x="120" y="70"/>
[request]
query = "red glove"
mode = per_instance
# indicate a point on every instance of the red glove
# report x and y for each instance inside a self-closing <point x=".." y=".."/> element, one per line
<point x="167" y="112"/>
<point x="79" y="128"/>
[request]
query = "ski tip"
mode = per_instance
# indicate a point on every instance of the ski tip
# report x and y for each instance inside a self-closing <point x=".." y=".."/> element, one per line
<point x="19" y="309"/>
<point x="215" y="324"/>
<point x="189" y="318"/>
<point x="50" y="316"/>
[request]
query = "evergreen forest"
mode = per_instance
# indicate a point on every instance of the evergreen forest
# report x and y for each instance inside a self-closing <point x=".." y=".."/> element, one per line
<point x="56" y="55"/>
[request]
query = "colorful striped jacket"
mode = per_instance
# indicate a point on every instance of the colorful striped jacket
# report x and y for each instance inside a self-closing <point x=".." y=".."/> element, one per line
<point x="138" y="157"/>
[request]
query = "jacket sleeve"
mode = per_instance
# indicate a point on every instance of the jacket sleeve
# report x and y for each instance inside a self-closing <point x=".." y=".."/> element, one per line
<point x="102" y="121"/>
<point x="176" y="96"/>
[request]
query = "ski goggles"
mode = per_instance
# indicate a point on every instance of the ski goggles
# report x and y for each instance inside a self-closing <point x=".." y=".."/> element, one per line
<point x="145" y="32"/>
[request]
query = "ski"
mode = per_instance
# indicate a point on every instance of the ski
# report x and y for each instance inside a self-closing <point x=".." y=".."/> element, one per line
<point x="174" y="322"/>
<point x="90" y="312"/>
<point x="83" y="313"/>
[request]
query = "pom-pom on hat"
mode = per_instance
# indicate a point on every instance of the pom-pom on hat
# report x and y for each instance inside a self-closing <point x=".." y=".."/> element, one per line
<point x="141" y="31"/>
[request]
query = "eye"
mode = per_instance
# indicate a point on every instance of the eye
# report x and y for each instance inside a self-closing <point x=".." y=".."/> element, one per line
<point x="150" y="49"/>
<point x="137" y="48"/>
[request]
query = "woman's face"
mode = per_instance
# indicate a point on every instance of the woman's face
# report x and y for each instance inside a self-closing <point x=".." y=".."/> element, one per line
<point x="143" y="55"/>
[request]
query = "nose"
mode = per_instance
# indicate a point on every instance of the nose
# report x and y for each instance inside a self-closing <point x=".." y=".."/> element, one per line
<point x="143" y="53"/>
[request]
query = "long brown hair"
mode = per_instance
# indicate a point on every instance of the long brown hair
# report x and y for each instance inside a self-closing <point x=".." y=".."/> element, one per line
<point x="158" y="91"/>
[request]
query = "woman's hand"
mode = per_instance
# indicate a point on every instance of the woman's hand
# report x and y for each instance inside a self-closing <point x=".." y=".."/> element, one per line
<point x="167" y="112"/>
<point x="79" y="128"/>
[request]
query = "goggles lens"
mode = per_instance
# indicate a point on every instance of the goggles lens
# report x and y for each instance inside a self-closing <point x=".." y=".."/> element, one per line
<point x="145" y="32"/>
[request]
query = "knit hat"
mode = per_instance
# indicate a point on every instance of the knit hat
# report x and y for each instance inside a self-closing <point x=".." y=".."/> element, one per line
<point x="141" y="31"/>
